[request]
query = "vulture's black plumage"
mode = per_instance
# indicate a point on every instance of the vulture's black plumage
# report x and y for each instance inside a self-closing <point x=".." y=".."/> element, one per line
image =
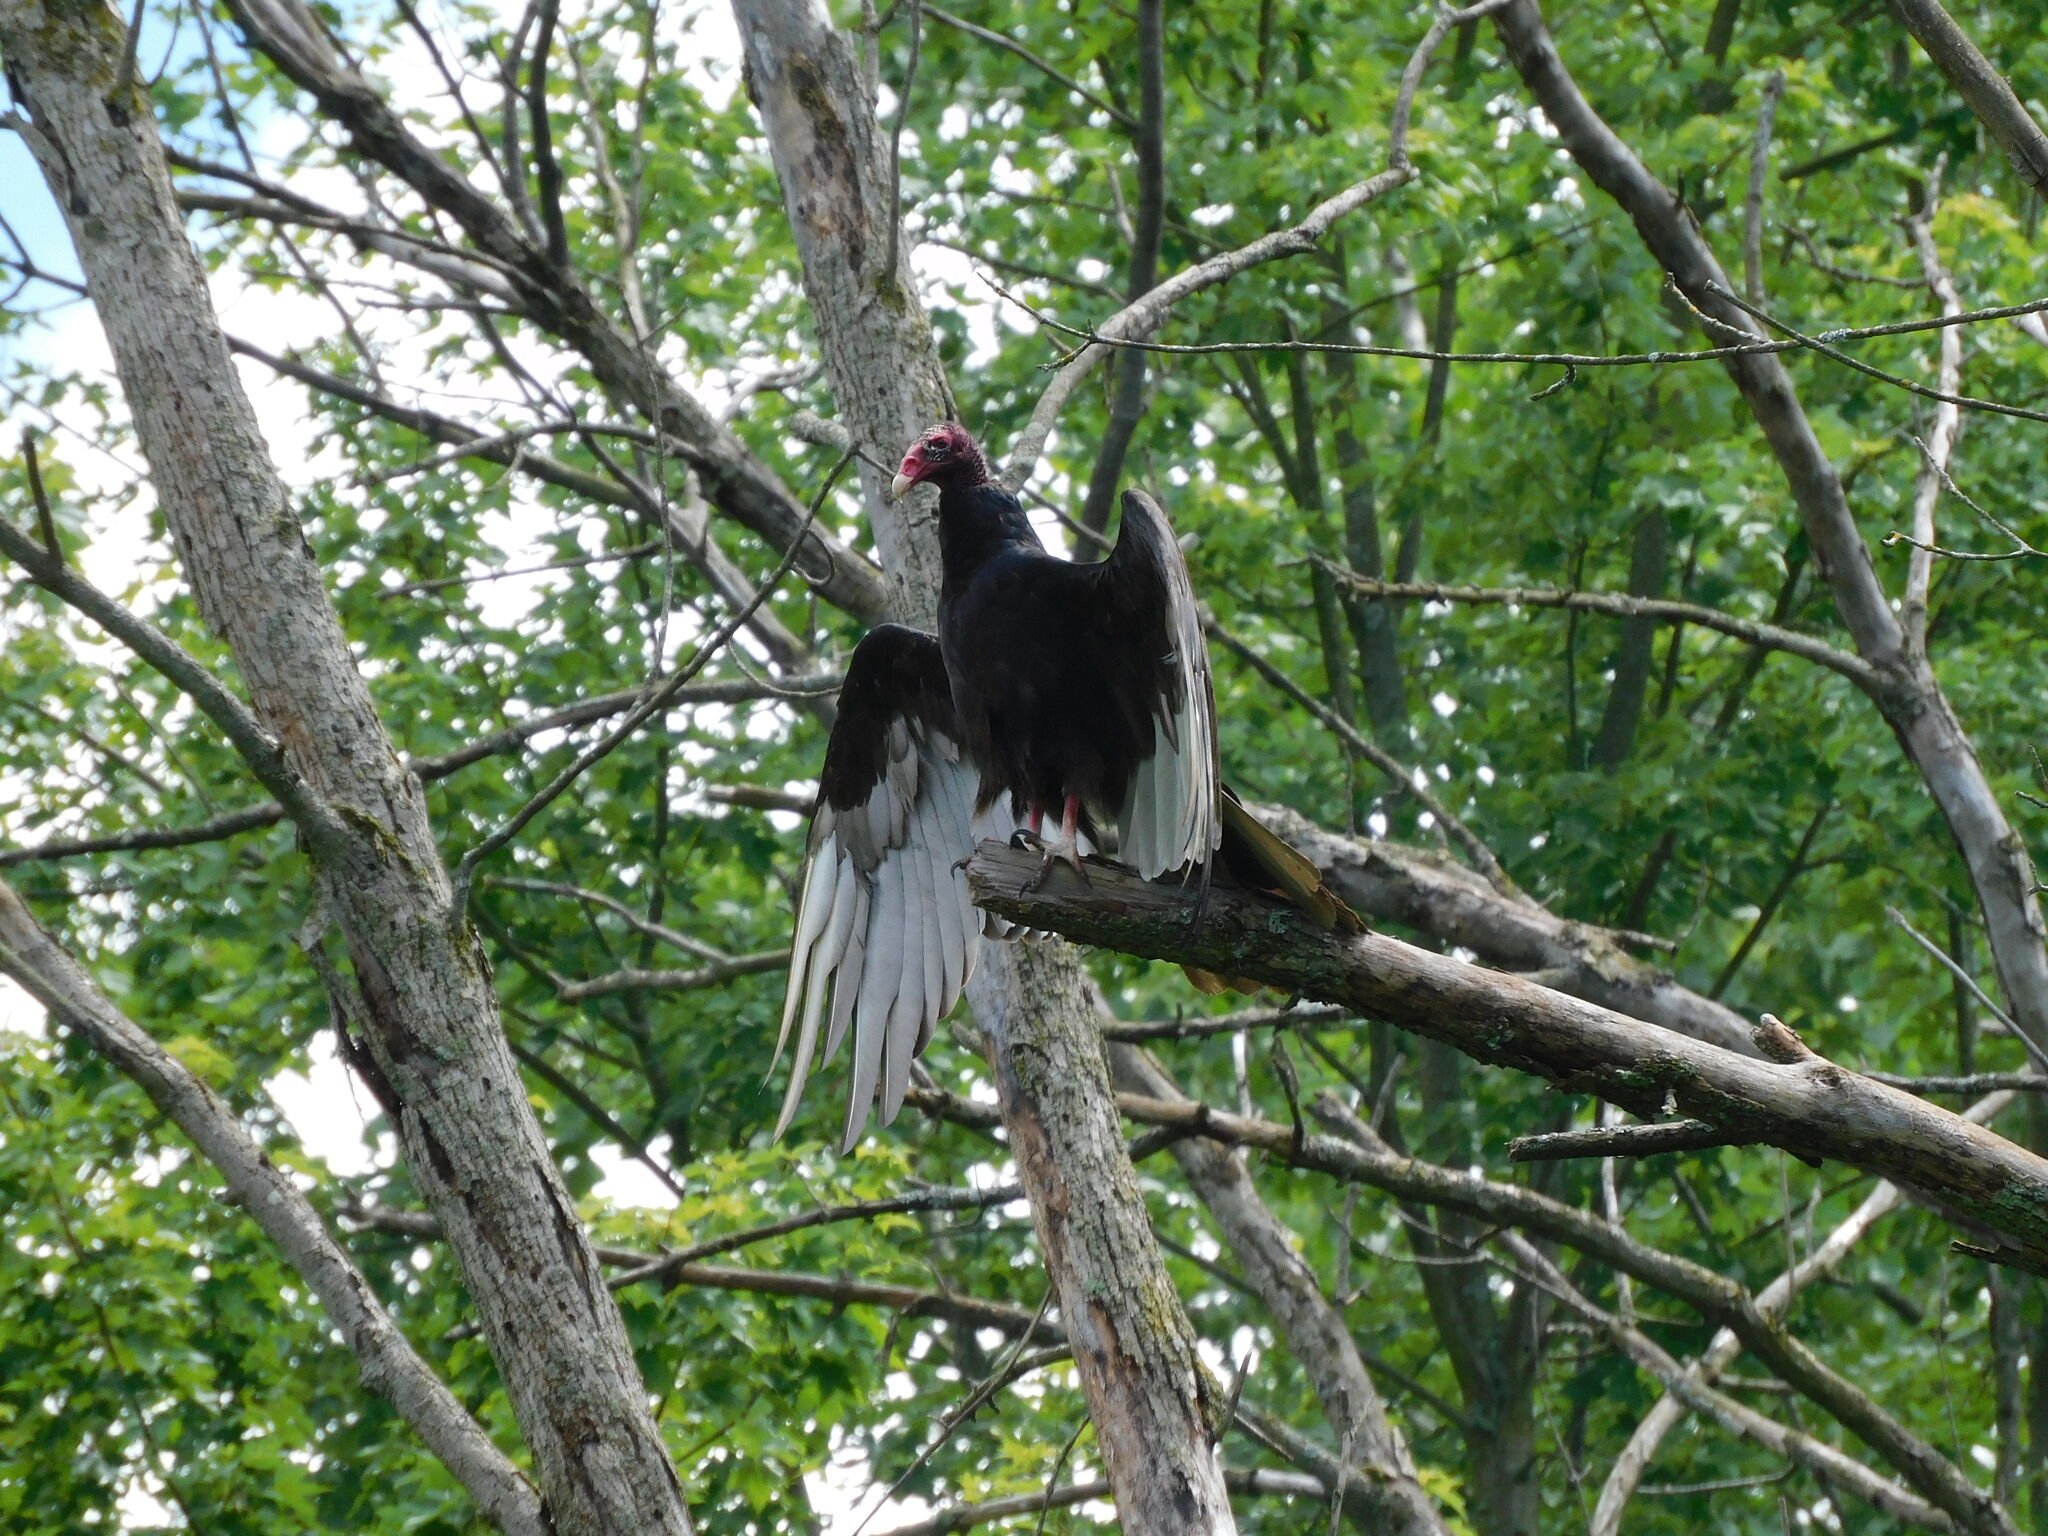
<point x="1054" y="688"/>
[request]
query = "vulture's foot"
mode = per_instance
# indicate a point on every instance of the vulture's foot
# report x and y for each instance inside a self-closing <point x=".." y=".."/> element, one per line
<point x="1060" y="851"/>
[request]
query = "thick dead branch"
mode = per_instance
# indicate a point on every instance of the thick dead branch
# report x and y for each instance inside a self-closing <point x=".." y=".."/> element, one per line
<point x="1981" y="85"/>
<point x="962" y="1517"/>
<point x="1432" y="894"/>
<point x="386" y="1361"/>
<point x="1812" y="1108"/>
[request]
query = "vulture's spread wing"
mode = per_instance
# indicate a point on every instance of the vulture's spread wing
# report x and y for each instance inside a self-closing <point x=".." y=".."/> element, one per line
<point x="885" y="934"/>
<point x="1169" y="817"/>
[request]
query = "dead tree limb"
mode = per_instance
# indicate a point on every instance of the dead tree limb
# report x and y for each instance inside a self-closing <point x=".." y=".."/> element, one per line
<point x="1812" y="1108"/>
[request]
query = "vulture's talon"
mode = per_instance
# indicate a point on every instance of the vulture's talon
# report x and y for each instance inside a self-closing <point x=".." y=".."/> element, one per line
<point x="1024" y="840"/>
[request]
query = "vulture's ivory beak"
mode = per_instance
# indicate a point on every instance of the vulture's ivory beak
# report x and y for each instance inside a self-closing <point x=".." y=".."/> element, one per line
<point x="900" y="487"/>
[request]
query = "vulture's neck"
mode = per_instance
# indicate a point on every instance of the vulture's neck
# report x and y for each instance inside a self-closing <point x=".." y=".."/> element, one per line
<point x="977" y="523"/>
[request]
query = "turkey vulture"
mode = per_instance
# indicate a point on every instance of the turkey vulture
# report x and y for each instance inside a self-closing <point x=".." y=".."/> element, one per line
<point x="1053" y="689"/>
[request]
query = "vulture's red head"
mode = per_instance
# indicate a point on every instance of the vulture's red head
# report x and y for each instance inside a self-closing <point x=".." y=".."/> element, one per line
<point x="944" y="455"/>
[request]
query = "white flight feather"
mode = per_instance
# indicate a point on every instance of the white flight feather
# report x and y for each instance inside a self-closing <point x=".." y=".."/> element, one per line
<point x="881" y="977"/>
<point x="812" y="968"/>
<point x="1170" y="815"/>
<point x="813" y="909"/>
<point x="906" y="1007"/>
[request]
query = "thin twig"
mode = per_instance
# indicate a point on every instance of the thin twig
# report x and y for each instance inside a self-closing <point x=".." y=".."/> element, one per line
<point x="1115" y="113"/>
<point x="896" y="139"/>
<point x="1418" y="65"/>
<point x="1624" y="606"/>
<point x="1753" y="203"/>
<point x="2034" y="1051"/>
<point x="1823" y="345"/>
<point x="1104" y="336"/>
<point x="46" y="524"/>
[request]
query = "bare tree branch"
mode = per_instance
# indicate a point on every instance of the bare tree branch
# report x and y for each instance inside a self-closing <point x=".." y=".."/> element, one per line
<point x="1611" y="1141"/>
<point x="1621" y="606"/>
<point x="1411" y="781"/>
<point x="952" y="1306"/>
<point x="633" y="979"/>
<point x="1430" y="893"/>
<point x="1139" y="319"/>
<point x="1979" y="84"/>
<point x="1115" y="114"/>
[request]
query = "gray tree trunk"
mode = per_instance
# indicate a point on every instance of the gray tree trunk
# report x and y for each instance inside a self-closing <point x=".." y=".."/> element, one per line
<point x="424" y="1003"/>
<point x="1147" y="1390"/>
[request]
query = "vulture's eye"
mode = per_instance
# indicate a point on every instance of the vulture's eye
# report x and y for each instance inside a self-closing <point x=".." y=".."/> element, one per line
<point x="937" y="448"/>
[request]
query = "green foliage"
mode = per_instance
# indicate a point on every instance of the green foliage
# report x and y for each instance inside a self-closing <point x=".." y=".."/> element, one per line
<point x="150" y="1338"/>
